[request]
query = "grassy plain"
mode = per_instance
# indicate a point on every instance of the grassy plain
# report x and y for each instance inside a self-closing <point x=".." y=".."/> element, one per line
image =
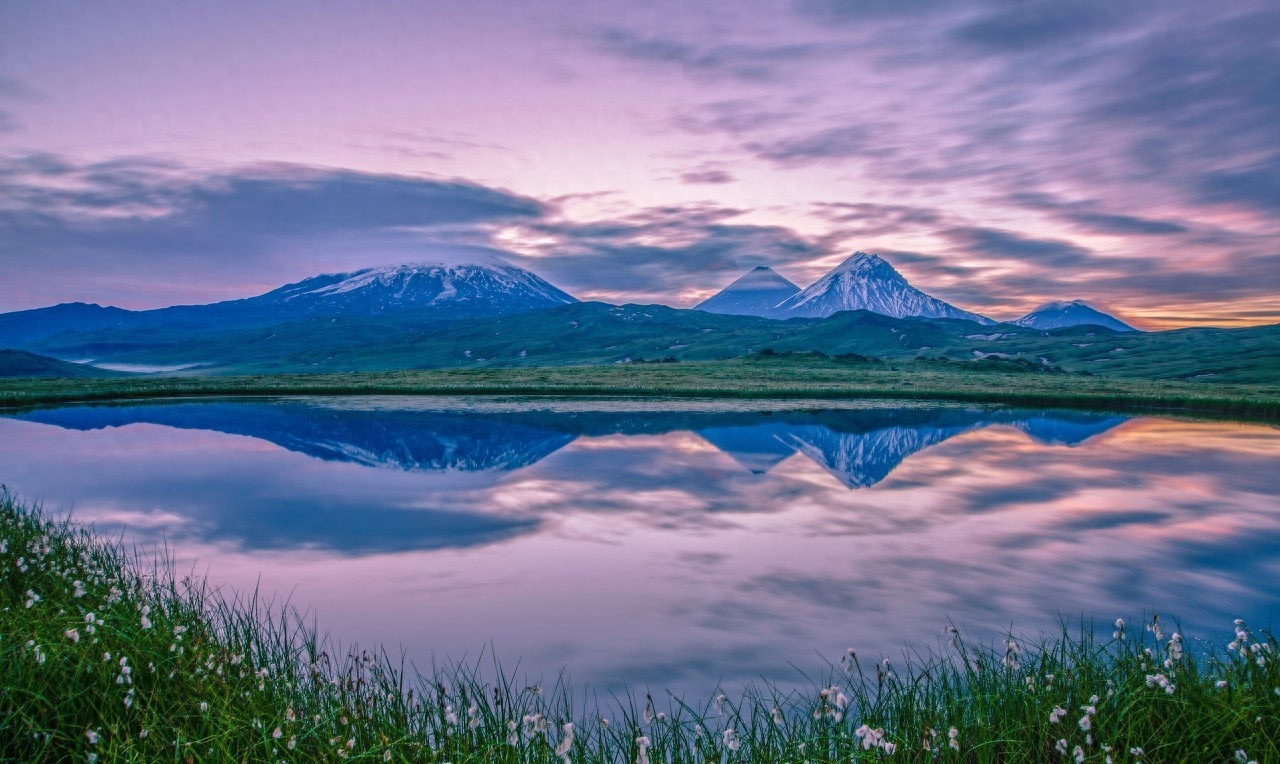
<point x="799" y="375"/>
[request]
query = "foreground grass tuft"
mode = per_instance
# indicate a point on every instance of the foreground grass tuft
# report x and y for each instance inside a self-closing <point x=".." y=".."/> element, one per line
<point x="105" y="657"/>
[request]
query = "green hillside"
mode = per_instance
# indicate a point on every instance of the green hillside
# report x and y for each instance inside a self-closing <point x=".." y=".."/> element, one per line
<point x="597" y="333"/>
<point x="20" y="363"/>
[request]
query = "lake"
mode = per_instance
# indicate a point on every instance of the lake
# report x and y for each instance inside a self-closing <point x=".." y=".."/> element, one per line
<point x="676" y="544"/>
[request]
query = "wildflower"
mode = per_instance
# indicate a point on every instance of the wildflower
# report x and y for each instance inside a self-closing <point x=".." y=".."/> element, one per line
<point x="386" y="755"/>
<point x="473" y="716"/>
<point x="954" y="634"/>
<point x="1243" y="758"/>
<point x="449" y="716"/>
<point x="718" y="705"/>
<point x="203" y="706"/>
<point x="1078" y="753"/>
<point x="73" y="635"/>
<point x="293" y="741"/>
<point x="32" y="598"/>
<point x="289" y="715"/>
<point x="642" y="743"/>
<point x="92" y="736"/>
<point x="731" y="740"/>
<point x="1154" y="627"/>
<point x="566" y="742"/>
<point x="954" y="735"/>
<point x="1056" y="714"/>
<point x="1137" y="752"/>
<point x="1061" y="746"/>
<point x="777" y="716"/>
<point x="513" y="733"/>
<point x="277" y="733"/>
<point x="1221" y="684"/>
<point x="92" y="758"/>
<point x="849" y="660"/>
<point x="145" y="622"/>
<point x="79" y="588"/>
<point x="1086" y="723"/>
<point x="1011" y="660"/>
<point x="1175" y="646"/>
<point x="648" y="711"/>
<point x="1119" y="632"/>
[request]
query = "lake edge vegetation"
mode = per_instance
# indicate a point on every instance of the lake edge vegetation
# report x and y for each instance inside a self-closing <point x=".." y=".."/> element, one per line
<point x="798" y="375"/>
<point x="108" y="656"/>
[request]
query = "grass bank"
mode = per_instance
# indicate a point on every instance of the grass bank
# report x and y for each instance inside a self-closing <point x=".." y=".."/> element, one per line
<point x="782" y="376"/>
<point x="105" y="657"/>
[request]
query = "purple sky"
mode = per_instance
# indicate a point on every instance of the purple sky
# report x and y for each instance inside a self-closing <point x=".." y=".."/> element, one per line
<point x="999" y="153"/>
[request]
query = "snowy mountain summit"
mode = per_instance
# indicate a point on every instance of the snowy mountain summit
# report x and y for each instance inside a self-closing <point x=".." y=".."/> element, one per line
<point x="755" y="294"/>
<point x="1060" y="315"/>
<point x="869" y="282"/>
<point x="488" y="287"/>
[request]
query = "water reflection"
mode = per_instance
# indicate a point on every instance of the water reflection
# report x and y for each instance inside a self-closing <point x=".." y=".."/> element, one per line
<point x="858" y="447"/>
<point x="681" y="547"/>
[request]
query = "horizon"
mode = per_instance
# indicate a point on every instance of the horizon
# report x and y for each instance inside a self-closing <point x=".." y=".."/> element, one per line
<point x="155" y="155"/>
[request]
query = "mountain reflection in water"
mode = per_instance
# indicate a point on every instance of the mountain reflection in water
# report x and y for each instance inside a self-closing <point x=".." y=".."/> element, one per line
<point x="679" y="548"/>
<point x="858" y="447"/>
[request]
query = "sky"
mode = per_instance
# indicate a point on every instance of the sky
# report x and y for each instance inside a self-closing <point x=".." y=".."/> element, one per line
<point x="1000" y="153"/>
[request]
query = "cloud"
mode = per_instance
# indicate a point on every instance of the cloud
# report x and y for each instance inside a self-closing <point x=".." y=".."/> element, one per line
<point x="709" y="175"/>
<point x="138" y="219"/>
<point x="662" y="254"/>
<point x="747" y="62"/>
<point x="851" y="141"/>
<point x="1083" y="216"/>
<point x="1002" y="244"/>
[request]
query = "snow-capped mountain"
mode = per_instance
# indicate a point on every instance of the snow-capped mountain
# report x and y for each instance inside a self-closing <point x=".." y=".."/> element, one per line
<point x="486" y="287"/>
<point x="868" y="282"/>
<point x="1060" y="315"/>
<point x="483" y="288"/>
<point x="755" y="294"/>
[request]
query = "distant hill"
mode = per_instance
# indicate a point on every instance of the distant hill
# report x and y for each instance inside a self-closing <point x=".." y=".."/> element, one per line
<point x="756" y="294"/>
<point x="484" y="288"/>
<point x="20" y="363"/>
<point x="1060" y="315"/>
<point x="868" y="282"/>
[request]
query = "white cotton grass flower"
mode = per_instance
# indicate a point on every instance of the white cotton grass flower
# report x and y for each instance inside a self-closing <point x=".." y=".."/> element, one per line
<point x="72" y="635"/>
<point x="79" y="589"/>
<point x="473" y="716"/>
<point x="1055" y="716"/>
<point x="1061" y="746"/>
<point x="566" y="742"/>
<point x="513" y="733"/>
<point x="730" y="739"/>
<point x="32" y="598"/>
<point x="92" y="736"/>
<point x="953" y="736"/>
<point x="777" y="716"/>
<point x="849" y="661"/>
<point x="386" y="755"/>
<point x="293" y="742"/>
<point x="642" y="744"/>
<point x="1243" y="758"/>
<point x="1119" y="633"/>
<point x="277" y="733"/>
<point x="1078" y="754"/>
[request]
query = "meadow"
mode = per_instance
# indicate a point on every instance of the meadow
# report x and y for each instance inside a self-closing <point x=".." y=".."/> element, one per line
<point x="776" y="375"/>
<point x="109" y="656"/>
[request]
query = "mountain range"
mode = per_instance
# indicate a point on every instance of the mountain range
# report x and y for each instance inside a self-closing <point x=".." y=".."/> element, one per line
<point x="486" y="314"/>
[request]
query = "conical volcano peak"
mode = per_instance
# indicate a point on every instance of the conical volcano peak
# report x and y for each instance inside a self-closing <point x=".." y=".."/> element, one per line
<point x="868" y="282"/>
<point x="754" y="294"/>
<point x="866" y="264"/>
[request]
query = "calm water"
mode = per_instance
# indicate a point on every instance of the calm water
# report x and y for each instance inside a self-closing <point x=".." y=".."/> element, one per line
<point x="676" y="548"/>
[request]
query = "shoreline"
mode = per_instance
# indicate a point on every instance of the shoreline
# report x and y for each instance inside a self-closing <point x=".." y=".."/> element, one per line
<point x="812" y="379"/>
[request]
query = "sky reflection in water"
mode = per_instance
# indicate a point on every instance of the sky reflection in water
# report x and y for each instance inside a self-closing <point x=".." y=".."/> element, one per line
<point x="676" y="548"/>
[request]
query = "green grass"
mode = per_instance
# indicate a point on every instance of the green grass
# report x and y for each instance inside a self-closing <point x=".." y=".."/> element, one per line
<point x="107" y="656"/>
<point x="759" y="376"/>
<point x="600" y="334"/>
